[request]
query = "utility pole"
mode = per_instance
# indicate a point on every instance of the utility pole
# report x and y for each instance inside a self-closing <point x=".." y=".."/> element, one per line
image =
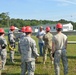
<point x="8" y="21"/>
<point x="7" y="13"/>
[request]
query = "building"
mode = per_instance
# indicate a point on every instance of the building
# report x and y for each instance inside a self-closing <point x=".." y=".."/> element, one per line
<point x="66" y="27"/>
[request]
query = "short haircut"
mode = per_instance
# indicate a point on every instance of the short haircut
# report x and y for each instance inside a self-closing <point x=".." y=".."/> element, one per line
<point x="28" y="33"/>
<point x="1" y="34"/>
<point x="59" y="29"/>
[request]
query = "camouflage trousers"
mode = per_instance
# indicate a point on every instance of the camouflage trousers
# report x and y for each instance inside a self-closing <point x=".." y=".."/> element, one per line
<point x="60" y="54"/>
<point x="12" y="55"/>
<point x="45" y="51"/>
<point x="27" y="67"/>
<point x="3" y="57"/>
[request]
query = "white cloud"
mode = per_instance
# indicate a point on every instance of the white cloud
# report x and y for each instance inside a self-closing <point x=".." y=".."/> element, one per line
<point x="67" y="1"/>
<point x="63" y="4"/>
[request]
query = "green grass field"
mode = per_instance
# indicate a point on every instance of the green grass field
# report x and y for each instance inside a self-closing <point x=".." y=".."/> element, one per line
<point x="48" y="68"/>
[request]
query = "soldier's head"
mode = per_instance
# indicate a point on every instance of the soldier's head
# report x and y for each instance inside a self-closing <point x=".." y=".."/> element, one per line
<point x="28" y="30"/>
<point x="23" y="29"/>
<point x="59" y="27"/>
<point x="48" y="29"/>
<point x="1" y="31"/>
<point x="12" y="28"/>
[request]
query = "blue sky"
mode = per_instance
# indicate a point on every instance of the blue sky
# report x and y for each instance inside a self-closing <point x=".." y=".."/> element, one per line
<point x="40" y="9"/>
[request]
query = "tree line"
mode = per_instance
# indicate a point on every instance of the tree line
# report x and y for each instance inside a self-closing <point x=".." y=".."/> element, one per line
<point x="5" y="21"/>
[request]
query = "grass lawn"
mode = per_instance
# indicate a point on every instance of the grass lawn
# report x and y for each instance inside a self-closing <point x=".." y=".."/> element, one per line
<point x="48" y="68"/>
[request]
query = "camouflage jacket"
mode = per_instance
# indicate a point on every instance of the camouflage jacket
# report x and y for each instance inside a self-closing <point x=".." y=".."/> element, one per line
<point x="11" y="37"/>
<point x="3" y="43"/>
<point x="48" y="39"/>
<point x="28" y="49"/>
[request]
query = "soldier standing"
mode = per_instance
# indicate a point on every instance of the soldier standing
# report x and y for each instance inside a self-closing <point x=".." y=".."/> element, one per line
<point x="59" y="46"/>
<point x="23" y="32"/>
<point x="28" y="53"/>
<point x="48" y="44"/>
<point x="21" y="37"/>
<point x="3" y="51"/>
<point x="11" y="39"/>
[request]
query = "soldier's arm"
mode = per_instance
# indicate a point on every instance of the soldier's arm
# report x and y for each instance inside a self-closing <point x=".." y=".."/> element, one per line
<point x="12" y="38"/>
<point x="34" y="49"/>
<point x="19" y="47"/>
<point x="65" y="41"/>
<point x="45" y="38"/>
<point x="66" y="44"/>
<point x="53" y="44"/>
<point x="53" y="47"/>
<point x="4" y="43"/>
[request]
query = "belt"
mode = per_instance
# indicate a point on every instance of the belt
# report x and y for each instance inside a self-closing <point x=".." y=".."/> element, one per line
<point x="61" y="49"/>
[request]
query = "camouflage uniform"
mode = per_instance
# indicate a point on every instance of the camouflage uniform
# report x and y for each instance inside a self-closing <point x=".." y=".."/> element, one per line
<point x="11" y="39"/>
<point x="48" y="45"/>
<point x="28" y="54"/>
<point x="20" y="37"/>
<point x="60" y="53"/>
<point x="3" y="51"/>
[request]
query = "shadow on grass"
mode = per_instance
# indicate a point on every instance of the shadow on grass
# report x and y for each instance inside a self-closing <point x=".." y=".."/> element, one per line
<point x="19" y="74"/>
<point x="3" y="74"/>
<point x="14" y="64"/>
<point x="41" y="74"/>
<point x="10" y="74"/>
<point x="16" y="53"/>
<point x="71" y="57"/>
<point x="16" y="60"/>
<point x="38" y="62"/>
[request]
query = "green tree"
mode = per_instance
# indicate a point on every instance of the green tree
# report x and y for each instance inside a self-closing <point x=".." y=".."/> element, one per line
<point x="4" y="19"/>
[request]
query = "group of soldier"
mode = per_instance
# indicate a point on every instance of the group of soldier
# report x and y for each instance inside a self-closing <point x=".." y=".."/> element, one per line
<point x="3" y="45"/>
<point x="55" y="44"/>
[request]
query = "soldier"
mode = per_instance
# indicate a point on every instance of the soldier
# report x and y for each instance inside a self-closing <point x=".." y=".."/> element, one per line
<point x="11" y="39"/>
<point x="48" y="44"/>
<point x="28" y="53"/>
<point x="59" y="46"/>
<point x="23" y="32"/>
<point x="21" y="36"/>
<point x="40" y="35"/>
<point x="3" y="51"/>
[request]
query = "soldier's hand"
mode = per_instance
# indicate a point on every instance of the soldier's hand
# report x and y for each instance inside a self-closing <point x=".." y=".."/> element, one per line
<point x="38" y="55"/>
<point x="36" y="59"/>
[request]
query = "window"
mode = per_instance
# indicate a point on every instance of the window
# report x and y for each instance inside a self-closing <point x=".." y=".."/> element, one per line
<point x="54" y="27"/>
